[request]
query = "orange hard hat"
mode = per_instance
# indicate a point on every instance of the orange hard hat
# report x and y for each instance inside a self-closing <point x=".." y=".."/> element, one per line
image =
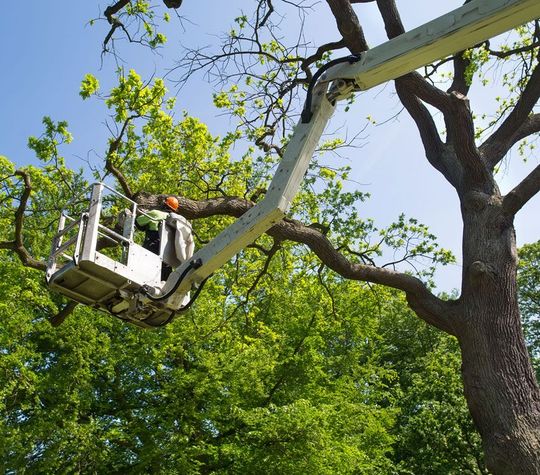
<point x="172" y="203"/>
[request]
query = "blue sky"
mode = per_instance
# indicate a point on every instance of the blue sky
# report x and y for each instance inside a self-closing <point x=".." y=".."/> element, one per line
<point x="48" y="47"/>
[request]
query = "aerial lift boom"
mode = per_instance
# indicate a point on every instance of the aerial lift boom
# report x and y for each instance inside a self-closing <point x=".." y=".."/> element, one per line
<point x="460" y="29"/>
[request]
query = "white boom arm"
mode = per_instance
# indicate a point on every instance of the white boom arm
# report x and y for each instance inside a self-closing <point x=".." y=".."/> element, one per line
<point x="460" y="29"/>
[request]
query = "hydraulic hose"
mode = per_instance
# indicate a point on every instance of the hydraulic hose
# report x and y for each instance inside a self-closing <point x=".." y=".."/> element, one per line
<point x="182" y="309"/>
<point x="306" y="112"/>
<point x="194" y="264"/>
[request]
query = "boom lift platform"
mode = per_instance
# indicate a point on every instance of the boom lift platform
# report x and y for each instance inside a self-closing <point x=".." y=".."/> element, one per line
<point x="128" y="285"/>
<point x="97" y="261"/>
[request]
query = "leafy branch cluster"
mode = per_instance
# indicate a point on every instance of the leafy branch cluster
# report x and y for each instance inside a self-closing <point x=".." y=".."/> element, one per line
<point x="136" y="21"/>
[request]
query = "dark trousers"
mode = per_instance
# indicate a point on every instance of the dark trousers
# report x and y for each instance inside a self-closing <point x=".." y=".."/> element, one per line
<point x="151" y="242"/>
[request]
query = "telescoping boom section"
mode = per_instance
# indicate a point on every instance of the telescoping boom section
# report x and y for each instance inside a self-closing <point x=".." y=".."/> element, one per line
<point x="152" y="304"/>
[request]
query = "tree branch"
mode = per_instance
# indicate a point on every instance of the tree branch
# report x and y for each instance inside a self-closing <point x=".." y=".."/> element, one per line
<point x="17" y="245"/>
<point x="529" y="127"/>
<point x="348" y="25"/>
<point x="412" y="88"/>
<point x="497" y="145"/>
<point x="111" y="167"/>
<point x="264" y="271"/>
<point x="115" y="23"/>
<point x="392" y="20"/>
<point x="114" y="9"/>
<point x="522" y="193"/>
<point x="461" y="135"/>
<point x="459" y="83"/>
<point x="172" y="3"/>
<point x="319" y="54"/>
<point x="414" y="82"/>
<point x="435" y="149"/>
<point x="511" y="52"/>
<point x="60" y="317"/>
<point x="430" y="308"/>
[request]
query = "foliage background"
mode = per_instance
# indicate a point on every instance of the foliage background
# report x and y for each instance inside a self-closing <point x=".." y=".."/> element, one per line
<point x="303" y="373"/>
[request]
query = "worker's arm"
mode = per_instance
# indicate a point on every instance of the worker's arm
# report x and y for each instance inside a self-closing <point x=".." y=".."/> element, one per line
<point x="151" y="219"/>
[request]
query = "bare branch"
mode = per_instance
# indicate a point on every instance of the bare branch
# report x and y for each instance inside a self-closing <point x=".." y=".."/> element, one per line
<point x="522" y="193"/>
<point x="511" y="52"/>
<point x="115" y="23"/>
<point x="497" y="145"/>
<point x="319" y="54"/>
<point x="269" y="12"/>
<point x="114" y="9"/>
<point x="433" y="145"/>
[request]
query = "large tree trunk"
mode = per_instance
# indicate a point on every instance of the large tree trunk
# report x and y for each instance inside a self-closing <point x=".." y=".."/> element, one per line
<point x="500" y="386"/>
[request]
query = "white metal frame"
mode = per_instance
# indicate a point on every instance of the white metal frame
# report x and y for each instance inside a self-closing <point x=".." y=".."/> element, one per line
<point x="92" y="277"/>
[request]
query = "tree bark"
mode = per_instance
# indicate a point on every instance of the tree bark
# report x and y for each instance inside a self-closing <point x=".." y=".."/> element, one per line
<point x="499" y="383"/>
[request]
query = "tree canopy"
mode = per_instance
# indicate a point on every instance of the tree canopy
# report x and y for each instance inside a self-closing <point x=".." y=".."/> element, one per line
<point x="301" y="355"/>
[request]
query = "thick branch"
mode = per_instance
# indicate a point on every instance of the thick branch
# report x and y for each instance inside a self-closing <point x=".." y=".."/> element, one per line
<point x="59" y="318"/>
<point x="412" y="89"/>
<point x="429" y="307"/>
<point x="414" y="81"/>
<point x="348" y="25"/>
<point x="172" y="3"/>
<point x="392" y="20"/>
<point x="529" y="127"/>
<point x="497" y="145"/>
<point x="433" y="145"/>
<point x="522" y="193"/>
<point x="430" y="94"/>
<point x="459" y="83"/>
<point x="17" y="245"/>
<point x="114" y="9"/>
<point x="461" y="135"/>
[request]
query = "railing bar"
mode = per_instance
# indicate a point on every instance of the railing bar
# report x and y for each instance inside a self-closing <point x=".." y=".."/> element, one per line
<point x="64" y="246"/>
<point x="68" y="228"/>
<point x="110" y="233"/>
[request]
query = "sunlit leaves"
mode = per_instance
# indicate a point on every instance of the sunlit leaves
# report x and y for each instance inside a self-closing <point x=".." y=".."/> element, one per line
<point x="46" y="146"/>
<point x="89" y="86"/>
<point x="133" y="97"/>
<point x="52" y="183"/>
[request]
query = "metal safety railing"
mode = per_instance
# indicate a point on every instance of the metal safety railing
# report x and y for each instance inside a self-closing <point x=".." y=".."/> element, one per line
<point x="78" y="235"/>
